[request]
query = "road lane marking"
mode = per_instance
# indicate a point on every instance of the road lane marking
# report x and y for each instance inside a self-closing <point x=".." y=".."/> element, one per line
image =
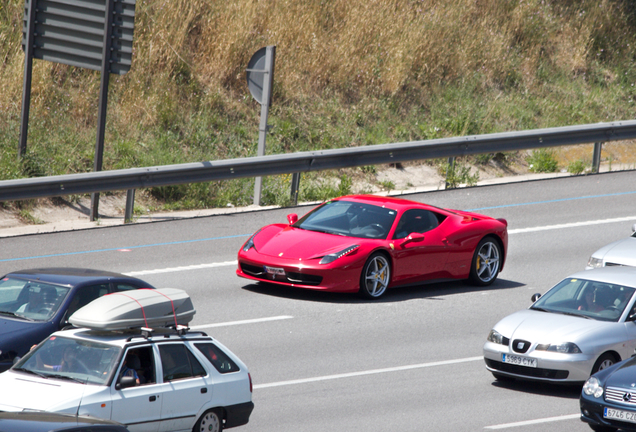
<point x="182" y="268"/>
<point x="534" y="422"/>
<point x="250" y="321"/>
<point x="119" y="248"/>
<point x="367" y="372"/>
<point x="554" y="201"/>
<point x="572" y="225"/>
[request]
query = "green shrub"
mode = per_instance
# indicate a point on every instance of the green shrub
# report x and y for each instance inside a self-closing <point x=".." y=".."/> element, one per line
<point x="542" y="160"/>
<point x="577" y="167"/>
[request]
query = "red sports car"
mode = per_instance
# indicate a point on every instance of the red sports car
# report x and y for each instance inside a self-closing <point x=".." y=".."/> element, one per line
<point x="366" y="244"/>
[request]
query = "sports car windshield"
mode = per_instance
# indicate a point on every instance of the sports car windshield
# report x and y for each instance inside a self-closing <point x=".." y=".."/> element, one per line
<point x="586" y="298"/>
<point x="71" y="359"/>
<point x="30" y="300"/>
<point x="348" y="218"/>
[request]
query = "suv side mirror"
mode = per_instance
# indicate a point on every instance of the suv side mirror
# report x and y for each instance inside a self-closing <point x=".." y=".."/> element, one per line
<point x="535" y="297"/>
<point x="292" y="218"/>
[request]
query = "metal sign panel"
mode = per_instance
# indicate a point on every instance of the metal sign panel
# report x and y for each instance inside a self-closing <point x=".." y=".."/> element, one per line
<point x="72" y="32"/>
<point x="257" y="73"/>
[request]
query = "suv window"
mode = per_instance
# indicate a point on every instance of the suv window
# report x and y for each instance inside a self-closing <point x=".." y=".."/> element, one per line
<point x="218" y="358"/>
<point x="179" y="363"/>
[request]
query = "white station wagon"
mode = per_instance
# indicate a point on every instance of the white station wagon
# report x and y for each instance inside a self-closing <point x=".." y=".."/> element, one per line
<point x="136" y="363"/>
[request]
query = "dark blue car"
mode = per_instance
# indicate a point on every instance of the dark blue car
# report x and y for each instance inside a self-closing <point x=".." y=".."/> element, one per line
<point x="47" y="422"/>
<point x="608" y="398"/>
<point x="37" y="302"/>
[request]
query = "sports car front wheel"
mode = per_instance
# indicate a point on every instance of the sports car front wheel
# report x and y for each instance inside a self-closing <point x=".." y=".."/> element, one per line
<point x="486" y="262"/>
<point x="375" y="277"/>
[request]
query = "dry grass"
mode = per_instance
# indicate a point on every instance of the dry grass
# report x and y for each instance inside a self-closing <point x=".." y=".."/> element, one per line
<point x="348" y="72"/>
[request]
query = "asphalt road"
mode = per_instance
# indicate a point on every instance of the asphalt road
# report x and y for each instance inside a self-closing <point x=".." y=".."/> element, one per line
<point x="411" y="361"/>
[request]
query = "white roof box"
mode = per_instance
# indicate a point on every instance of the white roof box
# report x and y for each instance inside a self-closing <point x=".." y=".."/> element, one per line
<point x="152" y="308"/>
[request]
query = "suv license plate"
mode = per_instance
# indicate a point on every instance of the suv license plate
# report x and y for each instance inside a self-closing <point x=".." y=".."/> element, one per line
<point x="518" y="360"/>
<point x="625" y="416"/>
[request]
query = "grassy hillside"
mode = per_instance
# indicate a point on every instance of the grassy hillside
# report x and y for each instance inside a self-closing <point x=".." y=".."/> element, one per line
<point x="348" y="73"/>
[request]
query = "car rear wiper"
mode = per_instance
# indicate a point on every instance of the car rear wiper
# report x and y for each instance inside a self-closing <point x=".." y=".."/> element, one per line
<point x="17" y="315"/>
<point x="32" y="372"/>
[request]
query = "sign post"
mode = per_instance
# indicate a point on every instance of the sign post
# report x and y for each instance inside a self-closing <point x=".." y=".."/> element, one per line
<point x="260" y="77"/>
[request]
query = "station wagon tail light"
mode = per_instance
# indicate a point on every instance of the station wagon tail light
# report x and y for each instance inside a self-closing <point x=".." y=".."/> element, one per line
<point x="249" y="375"/>
<point x="593" y="387"/>
<point x="334" y="256"/>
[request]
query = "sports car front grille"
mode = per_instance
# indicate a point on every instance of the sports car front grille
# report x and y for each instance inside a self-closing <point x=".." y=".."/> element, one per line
<point x="527" y="371"/>
<point x="622" y="396"/>
<point x="289" y="277"/>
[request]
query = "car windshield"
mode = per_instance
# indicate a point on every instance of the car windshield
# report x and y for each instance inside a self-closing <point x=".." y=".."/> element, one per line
<point x="586" y="298"/>
<point x="348" y="218"/>
<point x="71" y="359"/>
<point x="30" y="300"/>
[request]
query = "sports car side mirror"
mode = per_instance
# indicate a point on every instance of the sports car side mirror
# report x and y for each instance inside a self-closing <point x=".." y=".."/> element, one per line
<point x="535" y="297"/>
<point x="292" y="218"/>
<point x="413" y="237"/>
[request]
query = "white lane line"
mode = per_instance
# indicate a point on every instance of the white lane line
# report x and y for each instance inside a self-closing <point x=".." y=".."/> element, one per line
<point x="533" y="422"/>
<point x="250" y="321"/>
<point x="183" y="268"/>
<point x="368" y="372"/>
<point x="572" y="225"/>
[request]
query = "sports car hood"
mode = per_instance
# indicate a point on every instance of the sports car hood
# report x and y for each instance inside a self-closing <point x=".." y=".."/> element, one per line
<point x="21" y="391"/>
<point x="296" y="243"/>
<point x="621" y="252"/>
<point x="548" y="327"/>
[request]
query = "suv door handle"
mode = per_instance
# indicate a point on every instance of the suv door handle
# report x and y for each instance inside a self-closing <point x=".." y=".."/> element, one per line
<point x="152" y="398"/>
<point x="204" y="390"/>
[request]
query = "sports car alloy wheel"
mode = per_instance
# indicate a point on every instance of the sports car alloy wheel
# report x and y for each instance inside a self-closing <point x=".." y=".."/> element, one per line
<point x="376" y="276"/>
<point x="210" y="421"/>
<point x="485" y="265"/>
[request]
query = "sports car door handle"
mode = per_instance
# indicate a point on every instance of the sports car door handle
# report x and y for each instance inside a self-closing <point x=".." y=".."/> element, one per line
<point x="445" y="240"/>
<point x="152" y="398"/>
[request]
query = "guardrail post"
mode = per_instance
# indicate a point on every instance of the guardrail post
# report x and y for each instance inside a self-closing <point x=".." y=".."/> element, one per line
<point x="596" y="157"/>
<point x="295" y="184"/>
<point x="130" y="206"/>
<point x="450" y="171"/>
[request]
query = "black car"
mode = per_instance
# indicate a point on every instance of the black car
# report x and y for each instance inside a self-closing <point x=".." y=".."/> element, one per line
<point x="37" y="302"/>
<point x="47" y="422"/>
<point x="608" y="398"/>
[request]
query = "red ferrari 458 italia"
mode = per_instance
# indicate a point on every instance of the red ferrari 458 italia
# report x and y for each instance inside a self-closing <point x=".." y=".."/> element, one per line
<point x="366" y="244"/>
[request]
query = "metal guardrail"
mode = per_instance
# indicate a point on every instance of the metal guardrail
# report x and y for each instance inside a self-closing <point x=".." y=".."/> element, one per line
<point x="134" y="178"/>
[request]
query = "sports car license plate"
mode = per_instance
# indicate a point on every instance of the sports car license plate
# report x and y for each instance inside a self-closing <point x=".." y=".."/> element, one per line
<point x="518" y="360"/>
<point x="275" y="270"/>
<point x="625" y="416"/>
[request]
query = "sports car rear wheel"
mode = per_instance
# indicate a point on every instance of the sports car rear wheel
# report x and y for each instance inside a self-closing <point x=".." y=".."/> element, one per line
<point x="486" y="262"/>
<point x="375" y="277"/>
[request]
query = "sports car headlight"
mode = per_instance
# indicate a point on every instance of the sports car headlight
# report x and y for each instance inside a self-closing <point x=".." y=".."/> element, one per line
<point x="334" y="256"/>
<point x="593" y="387"/>
<point x="495" y="337"/>
<point x="250" y="243"/>
<point x="563" y="348"/>
<point x="595" y="262"/>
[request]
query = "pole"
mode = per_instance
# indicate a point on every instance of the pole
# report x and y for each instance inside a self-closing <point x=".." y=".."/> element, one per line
<point x="103" y="101"/>
<point x="28" y="68"/>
